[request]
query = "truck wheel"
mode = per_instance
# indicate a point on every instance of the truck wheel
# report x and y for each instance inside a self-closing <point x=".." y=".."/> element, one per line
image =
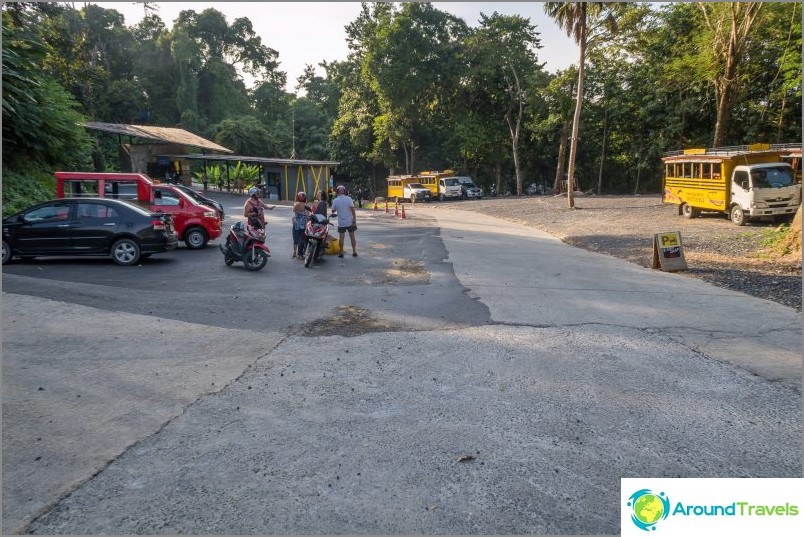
<point x="688" y="212"/>
<point x="125" y="252"/>
<point x="737" y="215"/>
<point x="195" y="238"/>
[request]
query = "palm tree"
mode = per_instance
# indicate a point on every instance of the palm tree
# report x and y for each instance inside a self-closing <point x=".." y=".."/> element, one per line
<point x="573" y="17"/>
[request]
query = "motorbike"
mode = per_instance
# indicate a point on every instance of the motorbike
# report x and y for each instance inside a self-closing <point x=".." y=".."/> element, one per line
<point x="316" y="233"/>
<point x="246" y="243"/>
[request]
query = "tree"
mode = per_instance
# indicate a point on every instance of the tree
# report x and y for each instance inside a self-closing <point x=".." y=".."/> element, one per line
<point x="502" y="54"/>
<point x="245" y="135"/>
<point x="573" y="17"/>
<point x="729" y="31"/>
<point x="409" y="60"/>
<point x="41" y="123"/>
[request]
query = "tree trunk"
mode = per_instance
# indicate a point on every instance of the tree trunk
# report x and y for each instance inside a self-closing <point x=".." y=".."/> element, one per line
<point x="576" y="120"/>
<point x="498" y="173"/>
<point x="412" y="157"/>
<point x="562" y="150"/>
<point x="515" y="130"/>
<point x="407" y="159"/>
<point x="603" y="153"/>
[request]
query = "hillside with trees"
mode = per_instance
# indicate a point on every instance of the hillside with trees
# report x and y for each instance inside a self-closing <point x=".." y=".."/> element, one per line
<point x="420" y="89"/>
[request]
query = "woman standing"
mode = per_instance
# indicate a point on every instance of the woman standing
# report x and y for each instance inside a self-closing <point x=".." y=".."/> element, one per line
<point x="300" y="211"/>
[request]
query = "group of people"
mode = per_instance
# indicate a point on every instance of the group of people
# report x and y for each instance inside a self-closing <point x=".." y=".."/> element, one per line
<point x="342" y="205"/>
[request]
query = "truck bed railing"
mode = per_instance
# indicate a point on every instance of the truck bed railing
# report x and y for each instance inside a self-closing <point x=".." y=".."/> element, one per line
<point x="737" y="150"/>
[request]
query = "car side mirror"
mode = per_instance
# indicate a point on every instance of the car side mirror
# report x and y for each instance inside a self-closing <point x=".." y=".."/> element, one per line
<point x="20" y="218"/>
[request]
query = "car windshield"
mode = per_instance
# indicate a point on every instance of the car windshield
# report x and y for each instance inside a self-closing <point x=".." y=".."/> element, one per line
<point x="416" y="185"/>
<point x="775" y="177"/>
<point x="451" y="182"/>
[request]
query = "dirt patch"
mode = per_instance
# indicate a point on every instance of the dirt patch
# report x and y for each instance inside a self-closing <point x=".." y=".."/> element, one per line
<point x="408" y="271"/>
<point x="348" y="321"/>
<point x="716" y="250"/>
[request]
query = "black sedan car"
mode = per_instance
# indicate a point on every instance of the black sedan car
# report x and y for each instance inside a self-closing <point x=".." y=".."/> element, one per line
<point x="87" y="226"/>
<point x="202" y="199"/>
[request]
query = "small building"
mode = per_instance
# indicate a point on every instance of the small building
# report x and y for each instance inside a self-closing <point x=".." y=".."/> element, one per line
<point x="160" y="151"/>
<point x="281" y="178"/>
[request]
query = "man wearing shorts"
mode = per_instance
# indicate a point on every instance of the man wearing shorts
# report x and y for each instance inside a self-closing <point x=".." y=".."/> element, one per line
<point x="347" y="219"/>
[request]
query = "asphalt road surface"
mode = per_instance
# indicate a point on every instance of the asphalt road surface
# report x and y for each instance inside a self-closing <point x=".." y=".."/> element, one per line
<point x="460" y="376"/>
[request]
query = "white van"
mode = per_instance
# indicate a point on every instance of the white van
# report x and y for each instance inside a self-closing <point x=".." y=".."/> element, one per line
<point x="449" y="187"/>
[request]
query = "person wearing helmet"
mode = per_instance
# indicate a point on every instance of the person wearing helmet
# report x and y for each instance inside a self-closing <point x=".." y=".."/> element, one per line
<point x="347" y="218"/>
<point x="253" y="210"/>
<point x="299" y="221"/>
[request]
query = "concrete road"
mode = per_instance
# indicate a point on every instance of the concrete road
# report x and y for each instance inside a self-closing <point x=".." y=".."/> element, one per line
<point x="495" y="381"/>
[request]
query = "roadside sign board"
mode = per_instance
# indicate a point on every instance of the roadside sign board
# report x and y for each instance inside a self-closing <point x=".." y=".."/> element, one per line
<point x="668" y="252"/>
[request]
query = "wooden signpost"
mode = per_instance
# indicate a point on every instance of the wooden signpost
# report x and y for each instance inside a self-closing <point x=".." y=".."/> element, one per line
<point x="668" y="252"/>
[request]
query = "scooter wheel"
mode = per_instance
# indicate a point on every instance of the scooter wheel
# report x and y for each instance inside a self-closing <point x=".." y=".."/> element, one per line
<point x="255" y="260"/>
<point x="229" y="261"/>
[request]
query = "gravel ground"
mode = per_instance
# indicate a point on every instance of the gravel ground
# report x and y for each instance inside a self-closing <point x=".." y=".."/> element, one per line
<point x="716" y="250"/>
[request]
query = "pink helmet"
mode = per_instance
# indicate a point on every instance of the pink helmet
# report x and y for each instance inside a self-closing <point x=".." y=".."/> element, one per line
<point x="301" y="196"/>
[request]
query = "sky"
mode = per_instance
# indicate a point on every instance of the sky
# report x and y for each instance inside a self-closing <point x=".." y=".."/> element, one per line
<point x="309" y="32"/>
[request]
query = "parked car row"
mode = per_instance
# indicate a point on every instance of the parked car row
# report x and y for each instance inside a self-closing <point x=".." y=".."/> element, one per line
<point x="197" y="219"/>
<point x="88" y="227"/>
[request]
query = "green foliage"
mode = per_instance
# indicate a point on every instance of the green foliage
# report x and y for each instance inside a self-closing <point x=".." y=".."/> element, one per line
<point x="245" y="135"/>
<point x="41" y="129"/>
<point x="24" y="188"/>
<point x="419" y="90"/>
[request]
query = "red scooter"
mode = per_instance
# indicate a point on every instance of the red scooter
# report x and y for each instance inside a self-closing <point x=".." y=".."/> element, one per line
<point x="246" y="243"/>
<point x="316" y="233"/>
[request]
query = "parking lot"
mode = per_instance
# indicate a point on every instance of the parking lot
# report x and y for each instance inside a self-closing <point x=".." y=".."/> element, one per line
<point x="462" y="375"/>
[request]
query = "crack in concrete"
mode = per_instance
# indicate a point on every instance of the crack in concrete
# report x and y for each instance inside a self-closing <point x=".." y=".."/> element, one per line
<point x="46" y="509"/>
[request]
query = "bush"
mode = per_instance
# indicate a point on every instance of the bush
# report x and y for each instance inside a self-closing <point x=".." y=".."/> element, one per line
<point x="23" y="189"/>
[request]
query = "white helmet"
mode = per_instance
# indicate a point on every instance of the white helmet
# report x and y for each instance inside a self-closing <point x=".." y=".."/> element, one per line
<point x="253" y="191"/>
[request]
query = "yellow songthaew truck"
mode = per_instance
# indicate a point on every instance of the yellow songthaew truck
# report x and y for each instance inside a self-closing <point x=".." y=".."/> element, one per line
<point x="741" y="182"/>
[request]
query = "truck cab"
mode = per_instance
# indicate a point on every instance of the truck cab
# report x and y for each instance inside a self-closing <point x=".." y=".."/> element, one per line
<point x="763" y="190"/>
<point x="449" y="188"/>
<point x="416" y="192"/>
<point x="469" y="190"/>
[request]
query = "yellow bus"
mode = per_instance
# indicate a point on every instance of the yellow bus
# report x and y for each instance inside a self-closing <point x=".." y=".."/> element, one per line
<point x="396" y="185"/>
<point x="429" y="180"/>
<point x="730" y="180"/>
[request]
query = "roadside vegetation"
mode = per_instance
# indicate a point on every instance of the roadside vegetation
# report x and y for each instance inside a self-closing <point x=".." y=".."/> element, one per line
<point x="420" y="89"/>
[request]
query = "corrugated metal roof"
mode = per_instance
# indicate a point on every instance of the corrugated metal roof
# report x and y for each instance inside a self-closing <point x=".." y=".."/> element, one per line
<point x="157" y="134"/>
<point x="262" y="160"/>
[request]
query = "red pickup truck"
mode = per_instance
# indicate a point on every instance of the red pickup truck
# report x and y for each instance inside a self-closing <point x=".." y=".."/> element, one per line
<point x="195" y="224"/>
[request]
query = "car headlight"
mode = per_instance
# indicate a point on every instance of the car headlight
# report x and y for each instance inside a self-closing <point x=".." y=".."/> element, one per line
<point x="210" y="214"/>
<point x="760" y="205"/>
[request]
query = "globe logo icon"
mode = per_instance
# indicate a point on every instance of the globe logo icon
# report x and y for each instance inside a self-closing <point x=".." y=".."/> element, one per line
<point x="648" y="508"/>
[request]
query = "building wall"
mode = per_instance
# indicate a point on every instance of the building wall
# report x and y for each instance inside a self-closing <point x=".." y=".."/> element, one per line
<point x="141" y="158"/>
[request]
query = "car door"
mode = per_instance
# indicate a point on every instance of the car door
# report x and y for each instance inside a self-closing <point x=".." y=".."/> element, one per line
<point x="94" y="226"/>
<point x="169" y="202"/>
<point x="44" y="229"/>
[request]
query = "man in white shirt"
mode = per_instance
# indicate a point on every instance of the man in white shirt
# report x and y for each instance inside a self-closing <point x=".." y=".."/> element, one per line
<point x="347" y="219"/>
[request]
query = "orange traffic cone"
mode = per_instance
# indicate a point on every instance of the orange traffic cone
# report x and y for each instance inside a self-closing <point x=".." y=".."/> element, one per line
<point x="386" y="206"/>
<point x="403" y="212"/>
<point x="396" y="209"/>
